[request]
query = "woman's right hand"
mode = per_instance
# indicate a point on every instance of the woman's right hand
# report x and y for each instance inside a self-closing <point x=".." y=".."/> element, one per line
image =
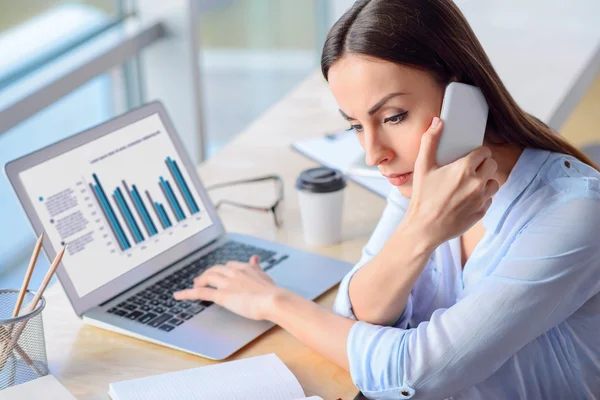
<point x="446" y="201"/>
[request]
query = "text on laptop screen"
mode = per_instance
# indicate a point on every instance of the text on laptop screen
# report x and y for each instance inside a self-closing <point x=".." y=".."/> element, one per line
<point x="116" y="202"/>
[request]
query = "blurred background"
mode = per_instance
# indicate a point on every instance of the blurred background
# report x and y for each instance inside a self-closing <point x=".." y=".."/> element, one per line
<point x="66" y="66"/>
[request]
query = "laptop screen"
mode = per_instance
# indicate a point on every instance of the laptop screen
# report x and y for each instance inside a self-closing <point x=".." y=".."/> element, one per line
<point x="116" y="202"/>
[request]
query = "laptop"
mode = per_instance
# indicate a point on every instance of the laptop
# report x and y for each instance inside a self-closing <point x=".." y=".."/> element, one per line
<point x="137" y="223"/>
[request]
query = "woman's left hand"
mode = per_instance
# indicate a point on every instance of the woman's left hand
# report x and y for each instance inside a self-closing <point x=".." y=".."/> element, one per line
<point x="243" y="288"/>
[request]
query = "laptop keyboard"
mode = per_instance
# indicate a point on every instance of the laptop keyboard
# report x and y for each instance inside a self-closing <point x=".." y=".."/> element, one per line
<point x="155" y="306"/>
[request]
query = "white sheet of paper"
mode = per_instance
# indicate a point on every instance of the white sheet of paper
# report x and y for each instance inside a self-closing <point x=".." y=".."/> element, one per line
<point x="46" y="387"/>
<point x="257" y="378"/>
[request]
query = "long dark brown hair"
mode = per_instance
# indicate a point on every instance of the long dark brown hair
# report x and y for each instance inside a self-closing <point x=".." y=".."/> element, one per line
<point x="434" y="35"/>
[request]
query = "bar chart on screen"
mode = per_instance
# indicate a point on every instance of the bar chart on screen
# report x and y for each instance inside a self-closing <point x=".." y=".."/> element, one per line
<point x="150" y="217"/>
<point x="116" y="202"/>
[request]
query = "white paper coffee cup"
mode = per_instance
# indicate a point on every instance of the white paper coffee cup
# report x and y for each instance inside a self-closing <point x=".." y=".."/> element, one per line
<point x="321" y="201"/>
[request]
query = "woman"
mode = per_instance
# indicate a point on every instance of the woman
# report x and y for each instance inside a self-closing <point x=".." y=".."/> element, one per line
<point x="486" y="283"/>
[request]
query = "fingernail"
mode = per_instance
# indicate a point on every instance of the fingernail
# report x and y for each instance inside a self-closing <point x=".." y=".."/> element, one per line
<point x="435" y="122"/>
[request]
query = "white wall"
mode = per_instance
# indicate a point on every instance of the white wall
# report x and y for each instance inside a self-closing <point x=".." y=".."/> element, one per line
<point x="338" y="7"/>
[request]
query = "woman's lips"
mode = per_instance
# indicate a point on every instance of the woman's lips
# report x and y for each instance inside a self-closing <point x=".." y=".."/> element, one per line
<point x="399" y="179"/>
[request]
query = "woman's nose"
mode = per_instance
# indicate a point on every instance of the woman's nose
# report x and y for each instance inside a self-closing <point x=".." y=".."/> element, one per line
<point x="376" y="151"/>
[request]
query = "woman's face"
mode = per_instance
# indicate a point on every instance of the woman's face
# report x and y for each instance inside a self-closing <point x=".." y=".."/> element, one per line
<point x="390" y="107"/>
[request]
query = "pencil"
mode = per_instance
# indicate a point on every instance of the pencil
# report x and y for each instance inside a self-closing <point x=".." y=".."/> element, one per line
<point x="46" y="280"/>
<point x="21" y="352"/>
<point x="32" y="262"/>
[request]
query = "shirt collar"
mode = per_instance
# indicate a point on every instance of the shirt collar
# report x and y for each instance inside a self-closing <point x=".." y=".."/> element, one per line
<point x="523" y="173"/>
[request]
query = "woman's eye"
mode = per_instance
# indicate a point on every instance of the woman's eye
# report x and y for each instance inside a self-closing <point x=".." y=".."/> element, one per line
<point x="396" y="119"/>
<point x="356" y="128"/>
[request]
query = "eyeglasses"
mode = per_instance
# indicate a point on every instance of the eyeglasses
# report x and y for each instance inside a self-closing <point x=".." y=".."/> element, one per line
<point x="276" y="209"/>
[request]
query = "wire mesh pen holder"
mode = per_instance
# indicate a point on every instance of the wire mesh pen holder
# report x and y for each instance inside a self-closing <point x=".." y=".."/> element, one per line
<point x="22" y="345"/>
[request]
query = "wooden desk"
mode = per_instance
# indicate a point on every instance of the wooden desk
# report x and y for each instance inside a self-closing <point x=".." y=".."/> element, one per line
<point x="86" y="359"/>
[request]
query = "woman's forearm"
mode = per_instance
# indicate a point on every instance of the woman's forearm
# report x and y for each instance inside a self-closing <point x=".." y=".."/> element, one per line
<point x="379" y="290"/>
<point x="315" y="326"/>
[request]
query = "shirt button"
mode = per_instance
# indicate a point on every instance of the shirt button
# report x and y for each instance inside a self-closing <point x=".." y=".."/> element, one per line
<point x="404" y="393"/>
<point x="567" y="164"/>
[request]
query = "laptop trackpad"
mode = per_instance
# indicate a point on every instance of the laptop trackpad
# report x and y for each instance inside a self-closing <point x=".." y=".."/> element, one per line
<point x="217" y="332"/>
<point x="309" y="275"/>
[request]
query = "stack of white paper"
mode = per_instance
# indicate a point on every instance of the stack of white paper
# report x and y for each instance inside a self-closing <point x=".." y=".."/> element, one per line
<point x="46" y="387"/>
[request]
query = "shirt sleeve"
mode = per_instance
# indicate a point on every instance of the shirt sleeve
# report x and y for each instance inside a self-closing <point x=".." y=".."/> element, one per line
<point x="549" y="271"/>
<point x="392" y="215"/>
<point x="423" y="290"/>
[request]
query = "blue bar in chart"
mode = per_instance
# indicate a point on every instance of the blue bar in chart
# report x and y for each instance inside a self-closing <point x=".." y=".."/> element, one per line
<point x="182" y="185"/>
<point x="96" y="194"/>
<point x="163" y="215"/>
<point x="141" y="209"/>
<point x="109" y="212"/>
<point x="162" y="208"/>
<point x="128" y="216"/>
<point x="172" y="200"/>
<point x="156" y="210"/>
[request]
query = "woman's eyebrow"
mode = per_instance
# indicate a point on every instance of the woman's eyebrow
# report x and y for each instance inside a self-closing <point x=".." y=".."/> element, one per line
<point x="382" y="102"/>
<point x="346" y="117"/>
<point x="376" y="107"/>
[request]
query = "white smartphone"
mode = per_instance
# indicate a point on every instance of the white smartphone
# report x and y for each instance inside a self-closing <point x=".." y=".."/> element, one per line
<point x="464" y="113"/>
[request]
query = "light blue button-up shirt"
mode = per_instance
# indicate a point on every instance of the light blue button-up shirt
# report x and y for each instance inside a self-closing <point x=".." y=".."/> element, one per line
<point x="521" y="321"/>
